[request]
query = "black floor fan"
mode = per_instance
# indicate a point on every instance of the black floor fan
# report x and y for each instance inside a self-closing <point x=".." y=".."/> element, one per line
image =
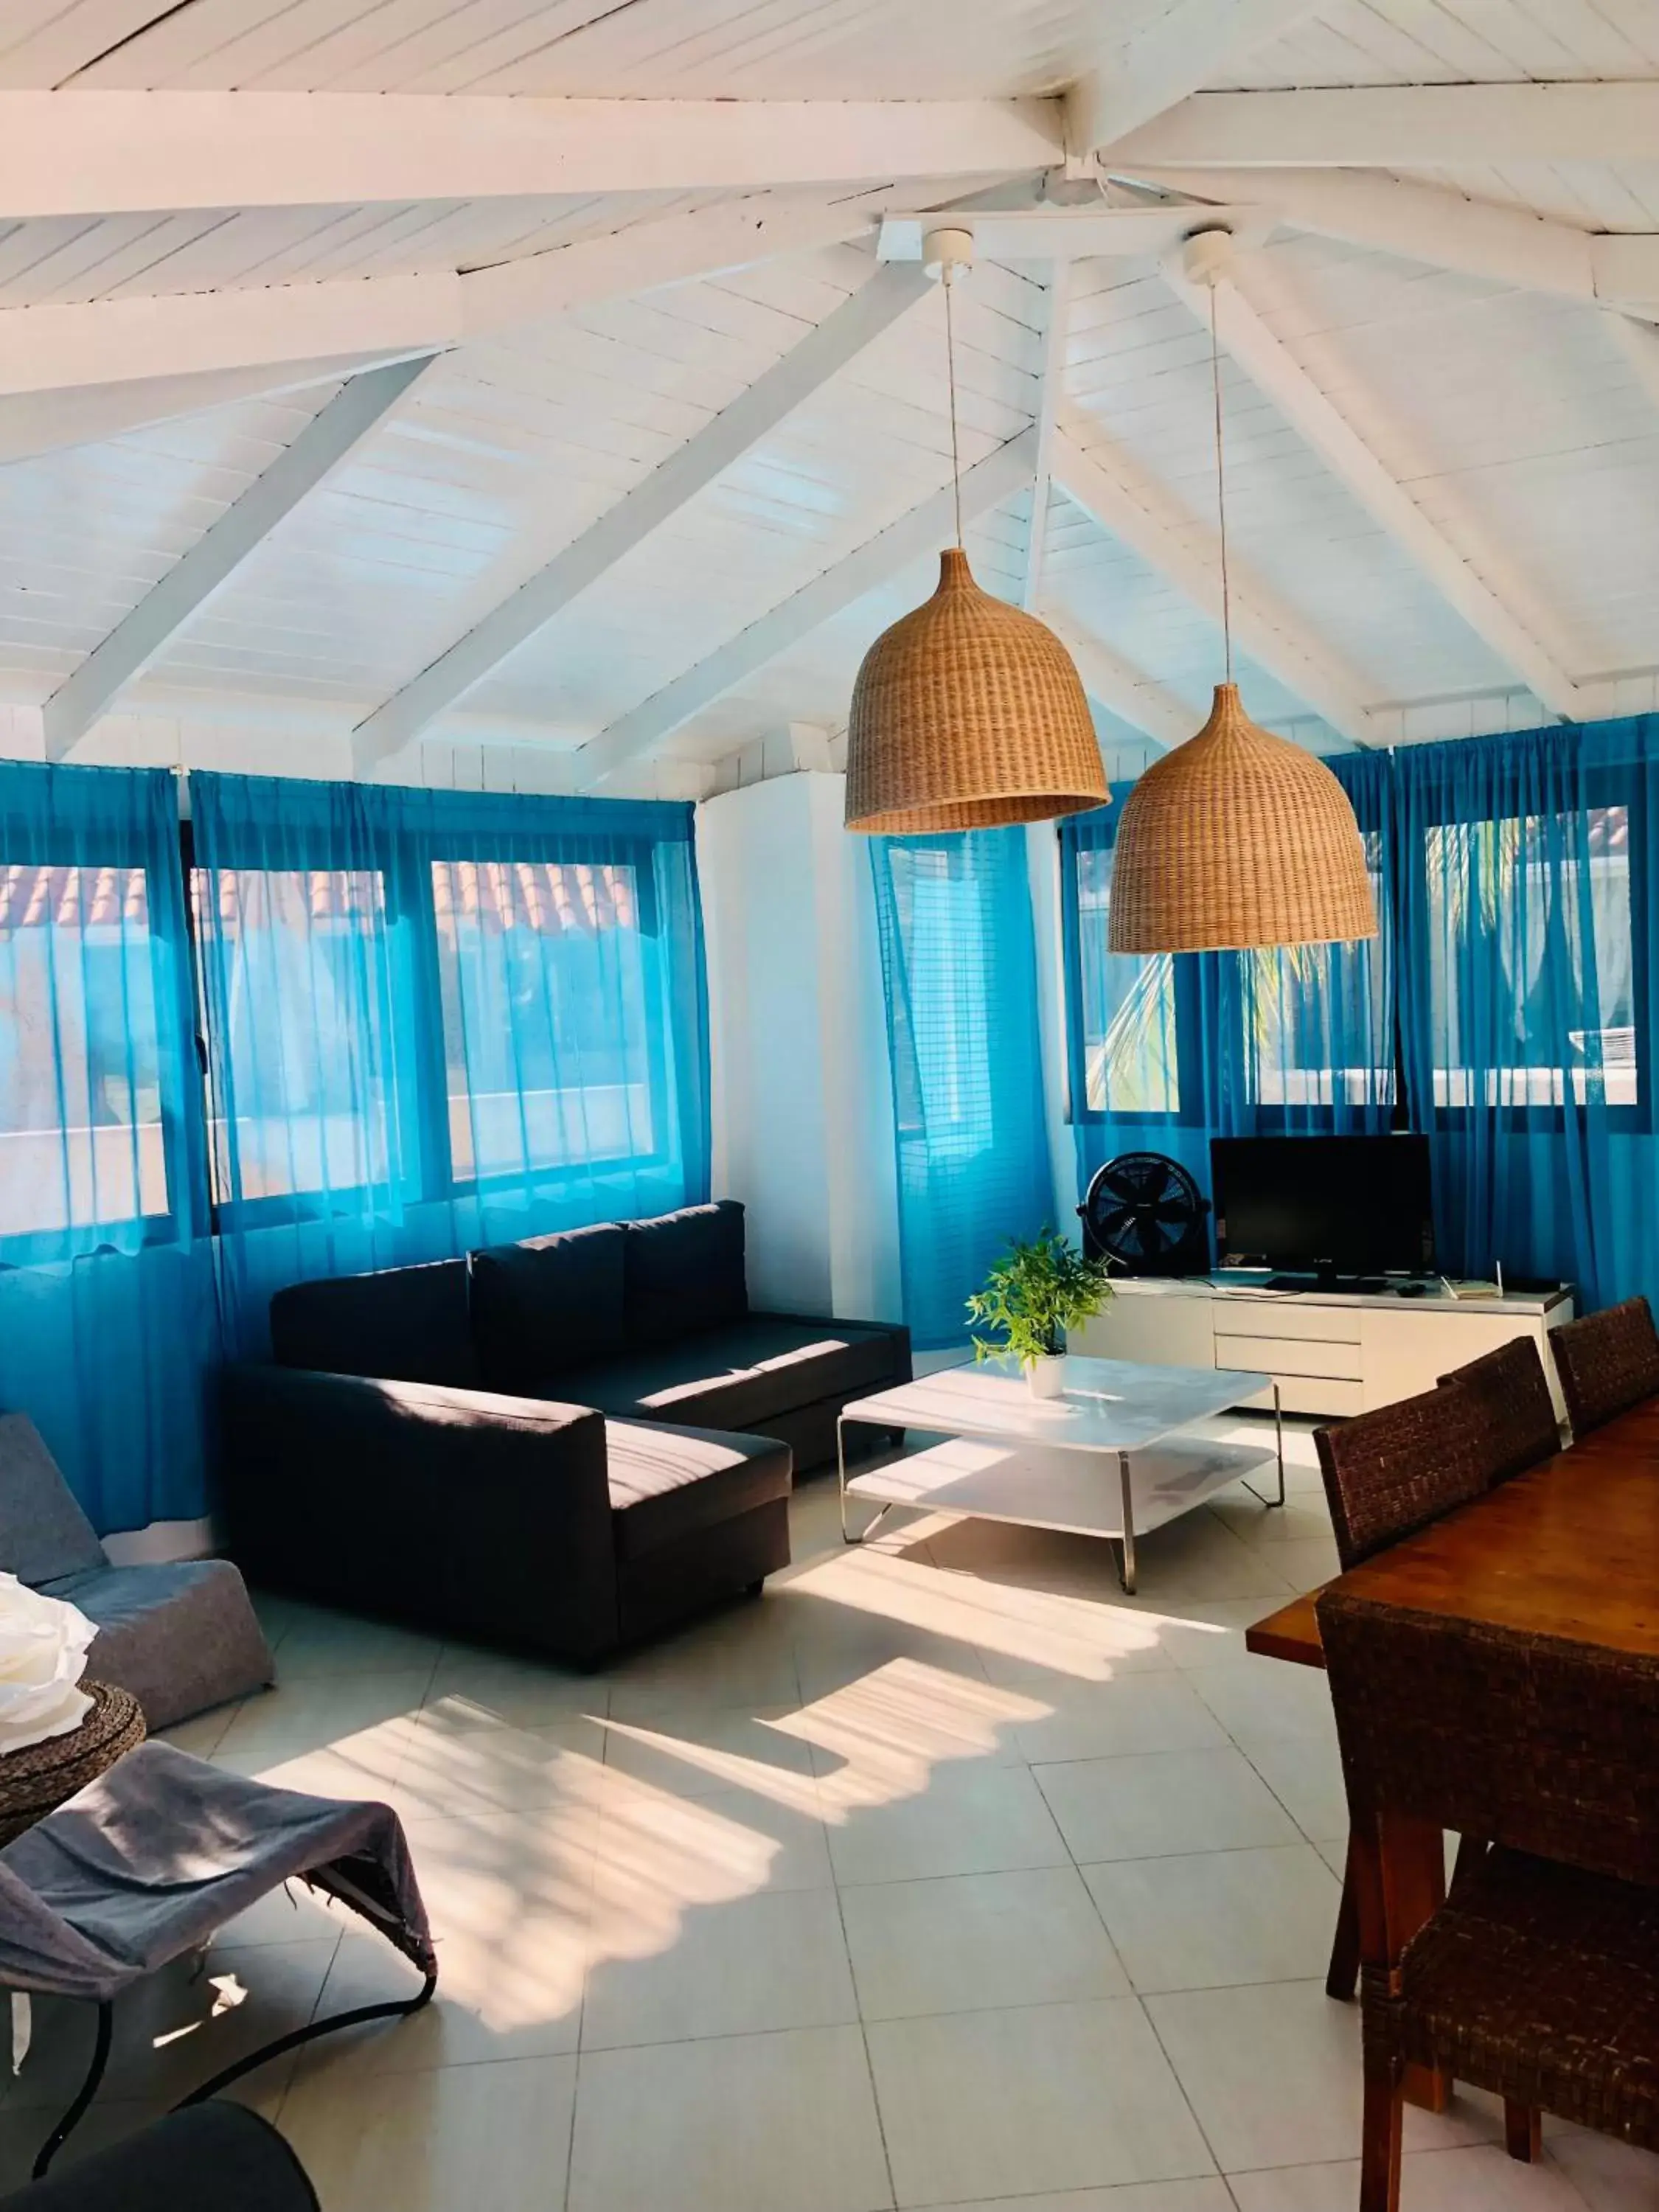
<point x="1144" y="1210"/>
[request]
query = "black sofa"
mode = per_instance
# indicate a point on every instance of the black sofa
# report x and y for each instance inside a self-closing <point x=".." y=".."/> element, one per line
<point x="649" y="1321"/>
<point x="521" y="1448"/>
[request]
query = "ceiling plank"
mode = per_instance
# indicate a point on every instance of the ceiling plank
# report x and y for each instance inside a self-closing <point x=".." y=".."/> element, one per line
<point x="1123" y="689"/>
<point x="920" y="531"/>
<point x="130" y="647"/>
<point x="1085" y="469"/>
<point x="821" y="354"/>
<point x="1418" y="126"/>
<point x="1484" y="606"/>
<point x="1057" y="311"/>
<point x="1443" y="229"/>
<point x="110" y="153"/>
<point x="1138" y="78"/>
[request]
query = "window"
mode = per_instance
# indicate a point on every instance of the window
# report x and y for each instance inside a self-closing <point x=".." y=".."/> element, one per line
<point x="81" y="1138"/>
<point x="545" y="980"/>
<point x="1318" y="1029"/>
<point x="303" y="1030"/>
<point x="1127" y="1046"/>
<point x="1531" y="960"/>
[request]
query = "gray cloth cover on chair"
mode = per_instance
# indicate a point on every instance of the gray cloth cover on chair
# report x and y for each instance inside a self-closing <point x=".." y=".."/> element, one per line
<point x="180" y="1637"/>
<point x="153" y="1858"/>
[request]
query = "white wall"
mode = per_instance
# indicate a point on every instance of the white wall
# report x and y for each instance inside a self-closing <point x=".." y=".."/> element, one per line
<point x="802" y="1095"/>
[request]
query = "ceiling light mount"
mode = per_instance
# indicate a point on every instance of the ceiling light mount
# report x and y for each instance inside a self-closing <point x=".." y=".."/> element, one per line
<point x="1207" y="256"/>
<point x="947" y="253"/>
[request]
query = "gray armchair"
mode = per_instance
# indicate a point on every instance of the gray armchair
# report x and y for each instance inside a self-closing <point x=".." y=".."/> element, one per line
<point x="181" y="1637"/>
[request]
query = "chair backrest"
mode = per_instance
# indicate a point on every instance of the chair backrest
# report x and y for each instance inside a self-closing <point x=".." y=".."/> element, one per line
<point x="1528" y="1740"/>
<point x="1392" y="1471"/>
<point x="1607" y="1362"/>
<point x="43" y="1532"/>
<point x="1516" y="1422"/>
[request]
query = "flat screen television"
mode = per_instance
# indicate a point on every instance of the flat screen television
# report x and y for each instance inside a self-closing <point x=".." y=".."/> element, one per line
<point x="1327" y="1206"/>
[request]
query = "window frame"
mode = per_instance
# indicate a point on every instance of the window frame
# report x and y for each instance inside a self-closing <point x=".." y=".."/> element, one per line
<point x="1601" y="785"/>
<point x="183" y="1134"/>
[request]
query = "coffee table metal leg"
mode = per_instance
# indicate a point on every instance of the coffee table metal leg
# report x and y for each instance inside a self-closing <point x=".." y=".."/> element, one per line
<point x="872" y="1524"/>
<point x="1127" y="1577"/>
<point x="1279" y="1450"/>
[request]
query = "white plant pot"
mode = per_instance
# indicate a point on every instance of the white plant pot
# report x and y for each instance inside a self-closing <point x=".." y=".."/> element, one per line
<point x="1045" y="1377"/>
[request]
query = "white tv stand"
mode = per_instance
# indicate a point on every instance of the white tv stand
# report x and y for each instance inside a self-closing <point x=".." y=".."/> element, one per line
<point x="1331" y="1352"/>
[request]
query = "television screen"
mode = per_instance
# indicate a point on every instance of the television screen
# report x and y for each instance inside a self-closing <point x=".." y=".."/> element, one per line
<point x="1347" y="1205"/>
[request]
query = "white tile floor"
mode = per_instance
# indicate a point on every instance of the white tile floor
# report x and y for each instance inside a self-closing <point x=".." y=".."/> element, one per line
<point x="943" y="1875"/>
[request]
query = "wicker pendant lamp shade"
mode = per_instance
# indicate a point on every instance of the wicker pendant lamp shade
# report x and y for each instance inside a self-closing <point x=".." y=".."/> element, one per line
<point x="1237" y="838"/>
<point x="966" y="714"/>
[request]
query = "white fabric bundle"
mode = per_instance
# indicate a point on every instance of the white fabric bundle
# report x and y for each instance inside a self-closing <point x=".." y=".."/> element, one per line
<point x="43" y="1649"/>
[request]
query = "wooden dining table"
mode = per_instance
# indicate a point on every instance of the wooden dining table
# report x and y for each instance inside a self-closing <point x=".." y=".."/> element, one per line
<point x="1570" y="1548"/>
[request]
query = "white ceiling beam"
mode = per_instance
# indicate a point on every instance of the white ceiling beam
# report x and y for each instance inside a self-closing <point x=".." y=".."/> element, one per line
<point x="920" y="531"/>
<point x="117" y="342"/>
<point x="1483" y="604"/>
<point x="214" y="558"/>
<point x="1057" y="311"/>
<point x="144" y="338"/>
<point x="1123" y="689"/>
<point x="1138" y="78"/>
<point x="113" y="152"/>
<point x="1062" y="234"/>
<point x="752" y="416"/>
<point x="36" y="422"/>
<point x="1084" y="470"/>
<point x="1418" y="126"/>
<point x="1443" y="229"/>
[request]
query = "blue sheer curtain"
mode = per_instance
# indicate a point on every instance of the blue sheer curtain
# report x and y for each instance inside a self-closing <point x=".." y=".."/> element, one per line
<point x="959" y="970"/>
<point x="1165" y="1051"/>
<point x="1524" y="905"/>
<point x="440" y="1020"/>
<point x="108" y="1322"/>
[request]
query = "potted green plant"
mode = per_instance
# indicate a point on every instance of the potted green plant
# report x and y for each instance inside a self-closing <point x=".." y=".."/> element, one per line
<point x="1032" y="1296"/>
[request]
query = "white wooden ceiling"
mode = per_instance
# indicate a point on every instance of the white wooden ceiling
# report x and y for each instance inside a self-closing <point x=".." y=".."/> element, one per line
<point x="155" y="362"/>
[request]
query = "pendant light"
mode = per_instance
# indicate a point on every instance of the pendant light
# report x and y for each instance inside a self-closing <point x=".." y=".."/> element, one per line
<point x="1236" y="838"/>
<point x="969" y="711"/>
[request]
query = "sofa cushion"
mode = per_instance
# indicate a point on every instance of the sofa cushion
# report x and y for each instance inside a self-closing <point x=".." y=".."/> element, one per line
<point x="669" y="1483"/>
<point x="180" y="1637"/>
<point x="43" y="1531"/>
<point x="741" y="1375"/>
<point x="406" y="1325"/>
<point x="550" y="1302"/>
<point x="684" y="1271"/>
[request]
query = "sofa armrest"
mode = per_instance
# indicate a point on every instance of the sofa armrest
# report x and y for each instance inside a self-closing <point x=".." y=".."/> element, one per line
<point x="458" y="1511"/>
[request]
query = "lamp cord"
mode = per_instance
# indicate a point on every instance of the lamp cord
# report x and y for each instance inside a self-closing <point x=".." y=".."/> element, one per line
<point x="1220" y="485"/>
<point x="950" y="366"/>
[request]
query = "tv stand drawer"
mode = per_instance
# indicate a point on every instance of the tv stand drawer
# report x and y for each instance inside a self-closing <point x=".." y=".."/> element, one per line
<point x="1275" y="1355"/>
<point x="1289" y="1319"/>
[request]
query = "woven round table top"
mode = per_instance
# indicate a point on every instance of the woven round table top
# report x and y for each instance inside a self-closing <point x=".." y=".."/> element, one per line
<point x="36" y="1780"/>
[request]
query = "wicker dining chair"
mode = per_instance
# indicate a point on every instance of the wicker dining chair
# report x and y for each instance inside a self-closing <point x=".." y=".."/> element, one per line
<point x="1607" y="1362"/>
<point x="1516" y="1425"/>
<point x="1387" y="1474"/>
<point x="1391" y="1472"/>
<point x="1538" y="1978"/>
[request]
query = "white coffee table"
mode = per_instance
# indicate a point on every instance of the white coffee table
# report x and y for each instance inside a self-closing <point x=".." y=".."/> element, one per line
<point x="1106" y="1458"/>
